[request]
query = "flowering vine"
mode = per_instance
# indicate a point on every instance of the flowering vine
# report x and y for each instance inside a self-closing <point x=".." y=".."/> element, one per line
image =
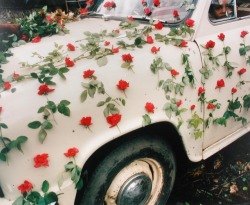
<point x="127" y="61"/>
<point x="7" y="144"/>
<point x="184" y="29"/>
<point x="244" y="48"/>
<point x="123" y="85"/>
<point x="72" y="168"/>
<point x="174" y="106"/>
<point x="233" y="106"/>
<point x="196" y="122"/>
<point x="48" y="112"/>
<point x="150" y="108"/>
<point x="226" y="50"/>
<point x="34" y="197"/>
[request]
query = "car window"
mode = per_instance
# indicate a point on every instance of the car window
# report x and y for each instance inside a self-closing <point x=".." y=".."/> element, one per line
<point x="170" y="11"/>
<point x="243" y="8"/>
<point x="222" y="10"/>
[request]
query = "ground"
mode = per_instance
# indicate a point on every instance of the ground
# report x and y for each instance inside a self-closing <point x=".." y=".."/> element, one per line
<point x="222" y="179"/>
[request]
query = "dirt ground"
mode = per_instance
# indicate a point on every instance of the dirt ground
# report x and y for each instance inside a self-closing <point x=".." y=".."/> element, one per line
<point x="222" y="179"/>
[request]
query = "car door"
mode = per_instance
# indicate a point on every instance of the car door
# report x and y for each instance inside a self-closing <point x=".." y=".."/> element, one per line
<point x="224" y="45"/>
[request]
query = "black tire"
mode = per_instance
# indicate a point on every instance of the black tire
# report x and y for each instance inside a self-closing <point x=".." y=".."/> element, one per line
<point x="150" y="153"/>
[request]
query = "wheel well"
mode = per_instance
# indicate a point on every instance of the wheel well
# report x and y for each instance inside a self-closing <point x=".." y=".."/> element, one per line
<point x="164" y="130"/>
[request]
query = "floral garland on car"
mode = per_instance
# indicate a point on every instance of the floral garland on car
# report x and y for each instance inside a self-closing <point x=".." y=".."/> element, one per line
<point x="92" y="86"/>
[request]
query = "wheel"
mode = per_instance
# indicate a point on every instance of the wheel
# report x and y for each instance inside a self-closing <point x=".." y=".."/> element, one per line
<point x="138" y="172"/>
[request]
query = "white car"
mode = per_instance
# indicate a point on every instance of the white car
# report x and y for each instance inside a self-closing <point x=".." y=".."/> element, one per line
<point x="101" y="115"/>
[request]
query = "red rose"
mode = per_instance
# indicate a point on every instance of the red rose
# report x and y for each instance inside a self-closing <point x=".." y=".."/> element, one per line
<point x="175" y="13"/>
<point x="158" y="25"/>
<point x="150" y="107"/>
<point x="190" y="22"/>
<point x="210" y="44"/>
<point x="41" y="160"/>
<point x="71" y="47"/>
<point x="210" y="106"/>
<point x="71" y="152"/>
<point x="113" y="119"/>
<point x="220" y="83"/>
<point x="26" y="186"/>
<point x="44" y="90"/>
<point x="106" y="43"/>
<point x="234" y="90"/>
<point x="15" y="75"/>
<point x="179" y="103"/>
<point x="36" y="39"/>
<point x="122" y="85"/>
<point x="192" y="107"/>
<point x="24" y="37"/>
<point x="110" y="5"/>
<point x="84" y="11"/>
<point x="147" y="11"/>
<point x="69" y="63"/>
<point x="150" y="40"/>
<point x="48" y="18"/>
<point x="201" y="90"/>
<point x="183" y="44"/>
<point x="86" y="121"/>
<point x="155" y="50"/>
<point x="89" y="2"/>
<point x="130" y="18"/>
<point x="115" y="50"/>
<point x="242" y="70"/>
<point x="243" y="34"/>
<point x="127" y="58"/>
<point x="6" y="85"/>
<point x="174" y="72"/>
<point x="221" y="36"/>
<point x="88" y="73"/>
<point x="156" y="3"/>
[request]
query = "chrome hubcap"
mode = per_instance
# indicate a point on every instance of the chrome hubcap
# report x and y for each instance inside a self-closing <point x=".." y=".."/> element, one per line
<point x="135" y="191"/>
<point x="139" y="183"/>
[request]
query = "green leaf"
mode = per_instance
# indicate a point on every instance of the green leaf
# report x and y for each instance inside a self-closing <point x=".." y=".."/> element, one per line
<point x="18" y="201"/>
<point x="91" y="91"/>
<point x="146" y="120"/>
<point x="34" y="75"/>
<point x="41" y="201"/>
<point x="42" y="135"/>
<point x="52" y="106"/>
<point x="242" y="51"/>
<point x="50" y="197"/>
<point x="69" y="166"/>
<point x="102" y="61"/>
<point x="45" y="186"/>
<point x="101" y="103"/>
<point x="138" y="41"/>
<point x="79" y="184"/>
<point x="84" y="95"/>
<point x="3" y="157"/>
<point x="3" y="125"/>
<point x="65" y="102"/>
<point x="19" y="141"/>
<point x="34" y="124"/>
<point x="47" y="125"/>
<point x="63" y="109"/>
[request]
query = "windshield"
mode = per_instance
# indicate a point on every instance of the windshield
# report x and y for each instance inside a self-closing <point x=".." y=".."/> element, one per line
<point x="170" y="11"/>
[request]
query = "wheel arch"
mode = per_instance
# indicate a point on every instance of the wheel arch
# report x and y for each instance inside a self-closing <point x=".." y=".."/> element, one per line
<point x="164" y="130"/>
